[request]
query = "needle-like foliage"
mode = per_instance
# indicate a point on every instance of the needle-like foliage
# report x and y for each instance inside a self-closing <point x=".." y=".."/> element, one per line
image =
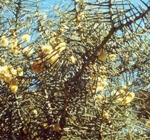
<point x="78" y="71"/>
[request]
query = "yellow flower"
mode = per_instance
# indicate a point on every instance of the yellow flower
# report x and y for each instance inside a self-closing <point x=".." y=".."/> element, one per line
<point x="34" y="112"/>
<point x="54" y="34"/>
<point x="53" y="58"/>
<point x="47" y="49"/>
<point x="4" y="69"/>
<point x="123" y="97"/>
<point x="102" y="83"/>
<point x="118" y="95"/>
<point x="76" y="0"/>
<point x="125" y="88"/>
<point x="148" y="123"/>
<point x="73" y="59"/>
<point x="2" y="60"/>
<point x="98" y="97"/>
<point x="105" y="115"/>
<point x="99" y="89"/>
<point x="45" y="125"/>
<point x="12" y="70"/>
<point x="13" y="86"/>
<point x="14" y="43"/>
<point x="80" y="16"/>
<point x="7" y="73"/>
<point x="61" y="47"/>
<point x="26" y="38"/>
<point x="129" y="98"/>
<point x="63" y="28"/>
<point x="119" y="100"/>
<point x="122" y="92"/>
<point x="44" y="16"/>
<point x="112" y="57"/>
<point x="20" y="71"/>
<point x="7" y="77"/>
<point x="126" y="100"/>
<point x="37" y="66"/>
<point x="53" y="41"/>
<point x="102" y="78"/>
<point x="15" y="47"/>
<point x="4" y="41"/>
<point x="60" y="40"/>
<point x="131" y="95"/>
<point x="15" y="50"/>
<point x="102" y="68"/>
<point x="102" y="56"/>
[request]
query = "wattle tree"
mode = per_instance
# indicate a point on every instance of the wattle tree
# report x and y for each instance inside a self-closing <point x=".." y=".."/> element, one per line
<point x="76" y="71"/>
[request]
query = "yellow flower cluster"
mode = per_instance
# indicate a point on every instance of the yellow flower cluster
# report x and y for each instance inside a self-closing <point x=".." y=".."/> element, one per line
<point x="2" y="60"/>
<point x="58" y="44"/>
<point x="148" y="123"/>
<point x="44" y="16"/>
<point x="97" y="84"/>
<point x="102" y="56"/>
<point x="123" y="96"/>
<point x="5" y="73"/>
<point x="13" y="85"/>
<point x="98" y="98"/>
<point x="51" y="51"/>
<point x="37" y="66"/>
<point x="105" y="115"/>
<point x="53" y="58"/>
<point x="76" y="0"/>
<point x="112" y="57"/>
<point x="130" y="96"/>
<point x="63" y="28"/>
<point x="8" y="74"/>
<point x="51" y="55"/>
<point x="15" y="47"/>
<point x="26" y="38"/>
<point x="47" y="49"/>
<point x="4" y="41"/>
<point x="19" y="71"/>
<point x="45" y="125"/>
<point x="73" y="59"/>
<point x="53" y="41"/>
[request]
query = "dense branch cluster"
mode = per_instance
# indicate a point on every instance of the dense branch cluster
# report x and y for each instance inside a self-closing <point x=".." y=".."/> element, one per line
<point x="79" y="71"/>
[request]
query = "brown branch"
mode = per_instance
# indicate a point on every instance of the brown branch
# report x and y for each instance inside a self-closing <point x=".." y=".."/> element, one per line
<point x="111" y="32"/>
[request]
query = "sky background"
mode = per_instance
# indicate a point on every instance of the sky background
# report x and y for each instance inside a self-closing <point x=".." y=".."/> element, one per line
<point x="52" y="2"/>
<point x="48" y="3"/>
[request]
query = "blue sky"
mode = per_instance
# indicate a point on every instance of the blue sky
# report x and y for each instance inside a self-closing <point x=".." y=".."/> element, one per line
<point x="49" y="3"/>
<point x="52" y="2"/>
